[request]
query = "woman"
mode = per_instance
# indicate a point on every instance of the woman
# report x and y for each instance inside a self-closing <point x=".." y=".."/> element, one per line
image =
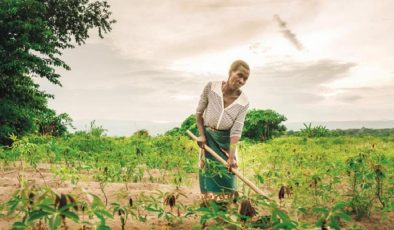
<point x="220" y="116"/>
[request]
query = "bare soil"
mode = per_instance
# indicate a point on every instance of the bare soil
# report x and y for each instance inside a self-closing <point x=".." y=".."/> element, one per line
<point x="117" y="192"/>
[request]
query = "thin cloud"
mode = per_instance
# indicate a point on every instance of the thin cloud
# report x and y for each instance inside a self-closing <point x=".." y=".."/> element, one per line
<point x="126" y="75"/>
<point x="290" y="85"/>
<point x="349" y="98"/>
<point x="372" y="96"/>
<point x="303" y="74"/>
<point x="290" y="36"/>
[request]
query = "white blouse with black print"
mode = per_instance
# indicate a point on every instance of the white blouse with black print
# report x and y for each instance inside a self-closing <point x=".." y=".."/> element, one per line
<point x="211" y="104"/>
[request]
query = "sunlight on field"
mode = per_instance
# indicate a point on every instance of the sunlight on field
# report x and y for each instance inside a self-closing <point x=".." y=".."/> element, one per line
<point x="350" y="177"/>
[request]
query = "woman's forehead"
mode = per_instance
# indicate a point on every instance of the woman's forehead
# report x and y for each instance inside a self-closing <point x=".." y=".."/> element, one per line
<point x="243" y="70"/>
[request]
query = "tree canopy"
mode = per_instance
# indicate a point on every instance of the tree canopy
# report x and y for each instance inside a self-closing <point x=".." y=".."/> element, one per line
<point x="33" y="35"/>
<point x="263" y="124"/>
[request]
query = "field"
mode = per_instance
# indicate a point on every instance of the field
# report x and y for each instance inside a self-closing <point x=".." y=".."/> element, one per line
<point x="90" y="181"/>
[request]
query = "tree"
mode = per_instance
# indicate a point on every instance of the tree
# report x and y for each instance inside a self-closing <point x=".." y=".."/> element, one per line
<point x="316" y="131"/>
<point x="14" y="119"/>
<point x="48" y="123"/>
<point x="263" y="124"/>
<point x="141" y="133"/>
<point x="33" y="35"/>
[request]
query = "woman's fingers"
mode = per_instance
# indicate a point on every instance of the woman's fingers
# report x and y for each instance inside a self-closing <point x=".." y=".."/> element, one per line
<point x="201" y="164"/>
<point x="234" y="165"/>
<point x="201" y="144"/>
<point x="231" y="164"/>
<point x="229" y="169"/>
<point x="201" y="141"/>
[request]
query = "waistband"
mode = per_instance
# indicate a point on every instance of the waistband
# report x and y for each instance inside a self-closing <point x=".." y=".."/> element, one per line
<point x="217" y="130"/>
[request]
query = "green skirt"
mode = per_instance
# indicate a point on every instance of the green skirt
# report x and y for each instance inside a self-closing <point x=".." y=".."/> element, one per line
<point x="214" y="176"/>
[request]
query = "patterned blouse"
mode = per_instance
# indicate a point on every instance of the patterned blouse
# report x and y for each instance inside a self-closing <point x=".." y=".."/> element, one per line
<point x="216" y="116"/>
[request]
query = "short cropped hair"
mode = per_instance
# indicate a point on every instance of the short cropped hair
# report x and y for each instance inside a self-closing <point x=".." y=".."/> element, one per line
<point x="237" y="63"/>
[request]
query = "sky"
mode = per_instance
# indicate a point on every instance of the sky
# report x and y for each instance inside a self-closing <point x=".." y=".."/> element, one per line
<point x="310" y="60"/>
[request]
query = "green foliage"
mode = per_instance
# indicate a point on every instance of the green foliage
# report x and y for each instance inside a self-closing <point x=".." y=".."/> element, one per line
<point x="262" y="125"/>
<point x="364" y="132"/>
<point x="26" y="151"/>
<point x="33" y="35"/>
<point x="141" y="133"/>
<point x="96" y="130"/>
<point x="316" y="131"/>
<point x="40" y="207"/>
<point x="20" y="120"/>
<point x="123" y="212"/>
<point x="35" y="32"/>
<point x="329" y="182"/>
<point x="367" y="175"/>
<point x="14" y="119"/>
<point x="51" y="124"/>
<point x="322" y="131"/>
<point x="331" y="217"/>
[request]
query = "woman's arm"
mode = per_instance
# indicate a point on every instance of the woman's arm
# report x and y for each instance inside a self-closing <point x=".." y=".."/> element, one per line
<point x="235" y="136"/>
<point x="233" y="146"/>
<point x="200" y="125"/>
<point x="231" y="161"/>
<point x="202" y="105"/>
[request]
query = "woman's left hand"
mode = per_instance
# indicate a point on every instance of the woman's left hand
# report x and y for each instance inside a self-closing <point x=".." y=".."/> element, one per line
<point x="231" y="163"/>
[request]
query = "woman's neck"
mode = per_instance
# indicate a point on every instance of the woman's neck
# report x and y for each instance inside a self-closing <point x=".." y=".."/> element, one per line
<point x="228" y="90"/>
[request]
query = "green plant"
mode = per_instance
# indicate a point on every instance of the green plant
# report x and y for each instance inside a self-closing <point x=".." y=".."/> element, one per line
<point x="331" y="217"/>
<point x="213" y="212"/>
<point x="316" y="131"/>
<point x="122" y="212"/>
<point x="262" y="125"/>
<point x="36" y="205"/>
<point x="357" y="169"/>
<point x="34" y="33"/>
<point x="27" y="152"/>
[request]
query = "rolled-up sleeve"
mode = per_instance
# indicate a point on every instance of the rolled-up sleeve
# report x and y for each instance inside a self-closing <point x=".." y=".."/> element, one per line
<point x="236" y="129"/>
<point x="202" y="104"/>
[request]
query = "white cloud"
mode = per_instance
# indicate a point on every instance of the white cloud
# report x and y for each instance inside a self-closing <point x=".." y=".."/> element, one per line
<point x="159" y="55"/>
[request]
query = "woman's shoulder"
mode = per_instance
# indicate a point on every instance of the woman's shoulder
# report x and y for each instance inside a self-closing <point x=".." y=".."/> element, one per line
<point x="215" y="86"/>
<point x="212" y="84"/>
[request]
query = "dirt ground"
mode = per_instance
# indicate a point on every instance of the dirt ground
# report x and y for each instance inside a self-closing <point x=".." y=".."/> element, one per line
<point x="116" y="192"/>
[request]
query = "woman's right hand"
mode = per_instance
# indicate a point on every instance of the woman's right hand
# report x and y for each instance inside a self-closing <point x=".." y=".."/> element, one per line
<point x="201" y="141"/>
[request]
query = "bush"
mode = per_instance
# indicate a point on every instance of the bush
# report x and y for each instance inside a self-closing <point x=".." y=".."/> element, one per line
<point x="317" y="131"/>
<point x="262" y="125"/>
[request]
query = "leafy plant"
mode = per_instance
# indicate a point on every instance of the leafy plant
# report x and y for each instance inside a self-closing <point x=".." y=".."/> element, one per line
<point x="262" y="125"/>
<point x="34" y="33"/>
<point x="315" y="131"/>
<point x="331" y="217"/>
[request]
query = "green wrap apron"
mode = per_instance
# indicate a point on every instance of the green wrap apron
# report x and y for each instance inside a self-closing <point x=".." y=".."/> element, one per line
<point x="214" y="176"/>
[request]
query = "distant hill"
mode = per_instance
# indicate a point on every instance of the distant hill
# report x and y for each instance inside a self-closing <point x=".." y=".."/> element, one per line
<point x="127" y="128"/>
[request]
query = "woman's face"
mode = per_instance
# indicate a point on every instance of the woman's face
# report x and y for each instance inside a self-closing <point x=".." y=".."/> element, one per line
<point x="238" y="77"/>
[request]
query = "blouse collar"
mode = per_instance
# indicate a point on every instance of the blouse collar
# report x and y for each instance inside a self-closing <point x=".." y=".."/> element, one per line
<point x="241" y="100"/>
